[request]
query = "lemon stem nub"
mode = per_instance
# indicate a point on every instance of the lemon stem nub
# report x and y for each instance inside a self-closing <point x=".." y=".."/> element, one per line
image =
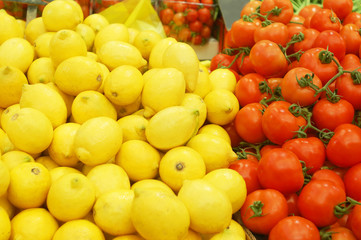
<point x="179" y="166"/>
<point x="36" y="171"/>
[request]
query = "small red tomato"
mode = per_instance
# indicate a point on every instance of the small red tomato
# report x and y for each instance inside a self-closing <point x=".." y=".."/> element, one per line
<point x="179" y="19"/>
<point x="196" y="26"/>
<point x="352" y="180"/>
<point x="248" y="170"/>
<point x="204" y="14"/>
<point x="191" y="15"/>
<point x="353" y="17"/>
<point x="206" y="32"/>
<point x="166" y="15"/>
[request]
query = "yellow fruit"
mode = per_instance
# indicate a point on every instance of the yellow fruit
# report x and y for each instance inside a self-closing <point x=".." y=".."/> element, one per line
<point x="34" y="223"/>
<point x="8" y="112"/>
<point x="116" y="53"/>
<point x="22" y="24"/>
<point x="60" y="15"/>
<point x="11" y="83"/>
<point x="216" y="152"/>
<point x="133" y="32"/>
<point x="195" y="102"/>
<point x="9" y="27"/>
<point x="5" y="226"/>
<point x="133" y="127"/>
<point x="233" y="231"/>
<point x="58" y="172"/>
<point x="128" y="237"/>
<point x="77" y="74"/>
<point x="45" y="99"/>
<point x="42" y="44"/>
<point x="192" y="235"/>
<point x="5" y="144"/>
<point x="29" y="185"/>
<point x="156" y="55"/>
<point x="125" y="110"/>
<point x="183" y="57"/>
<point x="1" y="112"/>
<point x="16" y="52"/>
<point x="15" y="158"/>
<point x="223" y="78"/>
<point x="41" y="70"/>
<point x="145" y="41"/>
<point x="159" y="215"/>
<point x="5" y="178"/>
<point x="222" y="106"/>
<point x="92" y="56"/>
<point x="34" y="29"/>
<point x="68" y="99"/>
<point x="97" y="140"/>
<point x="7" y="206"/>
<point x="215" y="130"/>
<point x="203" y="86"/>
<point x="65" y="44"/>
<point x="30" y="130"/>
<point x="71" y="197"/>
<point x="123" y="85"/>
<point x="80" y="229"/>
<point x="112" y="211"/>
<point x="111" y="32"/>
<point x="96" y="21"/>
<point x="77" y="7"/>
<point x="153" y="185"/>
<point x="104" y="73"/>
<point x="164" y="134"/>
<point x="179" y="164"/>
<point x="139" y="159"/>
<point x="87" y="33"/>
<point x="47" y="162"/>
<point x="90" y="104"/>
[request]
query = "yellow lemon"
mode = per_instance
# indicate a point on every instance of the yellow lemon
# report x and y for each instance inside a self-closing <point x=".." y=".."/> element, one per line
<point x="104" y="73"/>
<point x="41" y="70"/>
<point x="71" y="197"/>
<point x="5" y="144"/>
<point x="58" y="15"/>
<point x="8" y="112"/>
<point x="216" y="152"/>
<point x="179" y="164"/>
<point x="96" y="21"/>
<point x="123" y="85"/>
<point x="90" y="104"/>
<point x="85" y="169"/>
<point x="107" y="178"/>
<point x="149" y="74"/>
<point x="58" y="172"/>
<point x="5" y="178"/>
<point x="133" y="32"/>
<point x="34" y="29"/>
<point x="183" y="57"/>
<point x="98" y="140"/>
<point x="65" y="44"/>
<point x="16" y="52"/>
<point x="116" y="53"/>
<point x="128" y="109"/>
<point x="215" y="130"/>
<point x="222" y="106"/>
<point x="77" y="74"/>
<point x="233" y="231"/>
<point x="22" y="24"/>
<point x="30" y="130"/>
<point x="145" y="41"/>
<point x="92" y="56"/>
<point x="128" y="237"/>
<point x="156" y="55"/>
<point x="45" y="99"/>
<point x="133" y="127"/>
<point x="11" y="83"/>
<point x="42" y="44"/>
<point x="5" y="227"/>
<point x="80" y="229"/>
<point x="203" y="86"/>
<point x="159" y="215"/>
<point x="111" y="32"/>
<point x="29" y="185"/>
<point x="139" y="159"/>
<point x="195" y="102"/>
<point x="192" y="235"/>
<point x="223" y="78"/>
<point x="9" y="27"/>
<point x="87" y="33"/>
<point x="152" y="184"/>
<point x="112" y="211"/>
<point x="1" y="112"/>
<point x="33" y="223"/>
<point x="14" y="158"/>
<point x="7" y="206"/>
<point x="47" y="162"/>
<point x="68" y="99"/>
<point x="164" y="134"/>
<point x="77" y="8"/>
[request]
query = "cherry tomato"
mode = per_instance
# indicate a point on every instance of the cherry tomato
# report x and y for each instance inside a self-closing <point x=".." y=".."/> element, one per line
<point x="310" y="36"/>
<point x="194" y="4"/>
<point x="242" y="32"/>
<point x="196" y="26"/>
<point x="342" y="8"/>
<point x="247" y="89"/>
<point x="353" y="17"/>
<point x="244" y="64"/>
<point x="352" y="180"/>
<point x="166" y="15"/>
<point x="325" y="19"/>
<point x="276" y="32"/>
<point x="292" y="199"/>
<point x="330" y="175"/>
<point x="179" y="7"/>
<point x="248" y="170"/>
<point x="191" y="15"/>
<point x="206" y="32"/>
<point x="204" y="15"/>
<point x="250" y="8"/>
<point x="179" y="19"/>
<point x="351" y="36"/>
<point x="333" y="41"/>
<point x="196" y="40"/>
<point x="184" y="35"/>
<point x="285" y="6"/>
<point x="349" y="90"/>
<point x="354" y="221"/>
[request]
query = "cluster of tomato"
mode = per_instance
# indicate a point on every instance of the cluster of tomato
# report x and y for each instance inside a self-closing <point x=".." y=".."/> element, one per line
<point x="188" y="20"/>
<point x="298" y="132"/>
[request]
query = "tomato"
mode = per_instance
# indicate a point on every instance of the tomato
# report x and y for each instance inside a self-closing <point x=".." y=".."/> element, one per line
<point x="222" y="59"/>
<point x="263" y="209"/>
<point x="325" y="19"/>
<point x="352" y="180"/>
<point x="194" y="4"/>
<point x="294" y="29"/>
<point x="228" y="41"/>
<point x="248" y="123"/>
<point x="179" y="7"/>
<point x="333" y="41"/>
<point x="204" y="14"/>
<point x="327" y="174"/>
<point x="354" y="221"/>
<point x="342" y="8"/>
<point x="350" y="35"/>
<point x="310" y="36"/>
<point x="242" y="32"/>
<point x="273" y="83"/>
<point x="167" y="30"/>
<point x="268" y="60"/>
<point x="231" y="130"/>
<point x="340" y="233"/>
<point x="247" y="89"/>
<point x="248" y="170"/>
<point x="353" y="17"/>
<point x="285" y="6"/>
<point x="350" y="62"/>
<point x="267" y="148"/>
<point x="206" y="32"/>
<point x="166" y="15"/>
<point x="276" y="32"/>
<point x="250" y="8"/>
<point x="294" y="227"/>
<point x="191" y="15"/>
<point x="196" y="26"/>
<point x="196" y="40"/>
<point x="309" y="10"/>
<point x="297" y="20"/>
<point x="292" y="199"/>
<point x="179" y="19"/>
<point x="184" y="35"/>
<point x="244" y="64"/>
<point x="349" y="90"/>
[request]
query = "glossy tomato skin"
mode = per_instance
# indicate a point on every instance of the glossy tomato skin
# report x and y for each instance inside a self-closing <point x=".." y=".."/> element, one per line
<point x="348" y="90"/>
<point x="341" y="233"/>
<point x="274" y="209"/>
<point x="351" y="37"/>
<point x="328" y="174"/>
<point x="247" y="89"/>
<point x="333" y="41"/>
<point x="292" y="199"/>
<point x="310" y="36"/>
<point x="222" y="59"/>
<point x="353" y="17"/>
<point x="350" y="62"/>
<point x="286" y="12"/>
<point x="325" y="19"/>
<point x="231" y="130"/>
<point x="294" y="227"/>
<point x="248" y="170"/>
<point x="276" y="32"/>
<point x="354" y="221"/>
<point x="244" y="64"/>
<point x="309" y="10"/>
<point x="242" y="32"/>
<point x="342" y="8"/>
<point x="267" y="148"/>
<point x="352" y="180"/>
<point x="250" y="7"/>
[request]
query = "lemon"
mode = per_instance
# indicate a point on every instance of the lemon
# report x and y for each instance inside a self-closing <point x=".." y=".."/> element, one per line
<point x="125" y="110"/>
<point x="5" y="227"/>
<point x="90" y="104"/>
<point x="41" y="70"/>
<point x="42" y="44"/>
<point x="183" y="57"/>
<point x="77" y="74"/>
<point x="30" y="130"/>
<point x="7" y="206"/>
<point x="209" y="208"/>
<point x="68" y="99"/>
<point x="5" y="144"/>
<point x="203" y="86"/>
<point x="156" y="55"/>
<point x="77" y="8"/>
<point x="70" y="197"/>
<point x="34" y="29"/>
<point x="123" y="85"/>
<point x="128" y="237"/>
<point x="104" y="73"/>
<point x="192" y="235"/>
<point x="80" y="229"/>
<point x="87" y="33"/>
<point x="16" y="52"/>
<point x="133" y="32"/>
<point x="60" y="15"/>
<point x="8" y="112"/>
<point x="116" y="53"/>
<point x="222" y="106"/>
<point x="11" y="82"/>
<point x="29" y="185"/>
<point x="162" y="90"/>
<point x="65" y="44"/>
<point x="14" y="158"/>
<point x="22" y="24"/>
<point x="96" y="21"/>
<point x="139" y="159"/>
<point x="145" y="41"/>
<point x="111" y="32"/>
<point x="149" y="74"/>
<point x="58" y="172"/>
<point x="152" y="184"/>
<point x="33" y="223"/>
<point x="1" y="112"/>
<point x="112" y="211"/>
<point x="133" y="127"/>
<point x="223" y="78"/>
<point x="85" y="169"/>
<point x="233" y="231"/>
<point x="5" y="178"/>
<point x="9" y="27"/>
<point x="92" y="56"/>
<point x="164" y="134"/>
<point x="195" y="102"/>
<point x="159" y="215"/>
<point x="47" y="162"/>
<point x="216" y="152"/>
<point x="215" y="130"/>
<point x="179" y="164"/>
<point x="98" y="140"/>
<point x="45" y="99"/>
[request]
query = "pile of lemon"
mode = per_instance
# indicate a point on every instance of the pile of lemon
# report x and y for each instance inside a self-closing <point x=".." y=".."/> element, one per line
<point x="108" y="132"/>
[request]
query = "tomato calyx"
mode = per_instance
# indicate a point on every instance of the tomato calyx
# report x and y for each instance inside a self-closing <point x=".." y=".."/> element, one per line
<point x="237" y="51"/>
<point x="245" y="148"/>
<point x="307" y="177"/>
<point x="345" y="207"/>
<point x="256" y="207"/>
<point x="294" y="39"/>
<point x="325" y="234"/>
<point x="356" y="77"/>
<point x="357" y="119"/>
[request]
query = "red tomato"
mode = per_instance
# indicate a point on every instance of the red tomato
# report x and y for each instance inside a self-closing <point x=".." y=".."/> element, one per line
<point x="350" y="35"/>
<point x="285" y="6"/>
<point x="294" y="227"/>
<point x="263" y="209"/>
<point x="352" y="180"/>
<point x="294" y="29"/>
<point x="179" y="7"/>
<point x="292" y="199"/>
<point x="327" y="174"/>
<point x="206" y="32"/>
<point x="222" y="59"/>
<point x="309" y="10"/>
<point x="231" y="130"/>
<point x="333" y="41"/>
<point x="204" y="15"/>
<point x="167" y="30"/>
<point x="296" y="20"/>
<point x="248" y="170"/>
<point x="228" y="41"/>
<point x="184" y="35"/>
<point x="191" y="15"/>
<point x="194" y="4"/>
<point x="354" y="221"/>
<point x="166" y="15"/>
<point x="250" y="8"/>
<point x="353" y="17"/>
<point x="242" y="32"/>
<point x="325" y="19"/>
<point x="196" y="40"/>
<point x="247" y="89"/>
<point x="244" y="64"/>
<point x="276" y="32"/>
<point x="179" y="19"/>
<point x="310" y="36"/>
<point x="196" y="26"/>
<point x="340" y="233"/>
<point x="349" y="90"/>
<point x="267" y="148"/>
<point x="350" y="62"/>
<point x="342" y="8"/>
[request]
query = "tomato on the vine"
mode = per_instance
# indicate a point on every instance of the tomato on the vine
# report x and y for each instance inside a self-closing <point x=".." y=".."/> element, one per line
<point x="349" y="88"/>
<point x="242" y="32"/>
<point x="310" y="36"/>
<point x="352" y="180"/>
<point x="307" y="12"/>
<point x="222" y="60"/>
<point x="354" y="221"/>
<point x="331" y="40"/>
<point x="276" y="32"/>
<point x="250" y="8"/>
<point x="351" y="36"/>
<point x="244" y="64"/>
<point x="248" y="89"/>
<point x="342" y="8"/>
<point x="328" y="174"/>
<point x="353" y="17"/>
<point x="284" y="7"/>
<point x="339" y="233"/>
<point x="325" y="19"/>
